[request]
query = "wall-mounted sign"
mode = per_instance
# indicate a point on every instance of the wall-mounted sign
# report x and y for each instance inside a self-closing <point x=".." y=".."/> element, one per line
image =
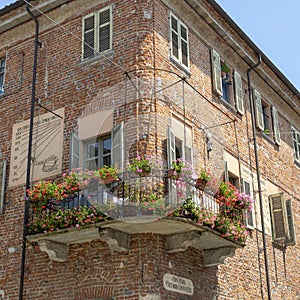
<point x="178" y="284"/>
<point x="46" y="148"/>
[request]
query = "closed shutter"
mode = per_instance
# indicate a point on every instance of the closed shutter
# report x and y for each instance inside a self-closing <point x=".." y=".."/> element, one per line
<point x="238" y="90"/>
<point x="105" y="23"/>
<point x="88" y="36"/>
<point x="289" y="213"/>
<point x="249" y="216"/>
<point x="279" y="219"/>
<point x="74" y="152"/>
<point x="174" y="37"/>
<point x="276" y="128"/>
<point x="117" y="147"/>
<point x="258" y="110"/>
<point x="216" y="71"/>
<point x="2" y="184"/>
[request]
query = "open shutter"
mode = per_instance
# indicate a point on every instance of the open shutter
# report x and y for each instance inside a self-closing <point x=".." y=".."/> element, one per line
<point x="88" y="36"/>
<point x="2" y="183"/>
<point x="105" y="30"/>
<point x="226" y="175"/>
<point x="171" y="147"/>
<point x="117" y="147"/>
<point x="238" y="90"/>
<point x="216" y="71"/>
<point x="74" y="152"/>
<point x="276" y="128"/>
<point x="258" y="109"/>
<point x="247" y="190"/>
<point x="296" y="143"/>
<point x="289" y="213"/>
<point x="279" y="218"/>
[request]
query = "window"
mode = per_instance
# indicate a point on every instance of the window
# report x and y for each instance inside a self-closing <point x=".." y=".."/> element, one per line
<point x="263" y="112"/>
<point x="2" y="72"/>
<point x="98" y="153"/>
<point x="296" y="144"/>
<point x="249" y="214"/>
<point x="179" y="41"/>
<point x="282" y="219"/>
<point x="97" y="33"/>
<point x="223" y="83"/>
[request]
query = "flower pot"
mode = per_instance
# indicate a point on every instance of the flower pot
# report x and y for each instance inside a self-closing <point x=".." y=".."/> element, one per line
<point x="172" y="174"/>
<point x="200" y="184"/>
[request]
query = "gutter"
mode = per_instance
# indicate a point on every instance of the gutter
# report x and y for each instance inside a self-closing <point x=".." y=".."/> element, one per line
<point x="26" y="204"/>
<point x="258" y="178"/>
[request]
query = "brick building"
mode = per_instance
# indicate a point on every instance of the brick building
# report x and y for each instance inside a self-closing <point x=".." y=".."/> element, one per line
<point x="90" y="83"/>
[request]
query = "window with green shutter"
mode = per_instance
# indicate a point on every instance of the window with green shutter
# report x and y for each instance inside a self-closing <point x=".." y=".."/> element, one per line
<point x="97" y="33"/>
<point x="296" y="144"/>
<point x="258" y="110"/>
<point x="276" y="128"/>
<point x="282" y="220"/>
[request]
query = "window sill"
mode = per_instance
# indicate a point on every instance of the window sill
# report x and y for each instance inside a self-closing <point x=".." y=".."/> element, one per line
<point x="180" y="66"/>
<point x="297" y="163"/>
<point x="101" y="56"/>
<point x="268" y="138"/>
<point x="228" y="105"/>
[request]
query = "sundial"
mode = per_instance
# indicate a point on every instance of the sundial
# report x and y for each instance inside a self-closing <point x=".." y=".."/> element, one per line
<point x="47" y="143"/>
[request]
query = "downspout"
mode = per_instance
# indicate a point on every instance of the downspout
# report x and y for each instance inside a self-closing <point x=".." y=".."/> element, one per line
<point x="258" y="177"/>
<point x="26" y="205"/>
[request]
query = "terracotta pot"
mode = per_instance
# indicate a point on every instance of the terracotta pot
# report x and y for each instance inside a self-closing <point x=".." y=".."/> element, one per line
<point x="200" y="184"/>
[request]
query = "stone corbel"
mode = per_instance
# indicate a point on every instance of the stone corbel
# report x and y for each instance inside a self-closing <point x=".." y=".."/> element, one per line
<point x="116" y="240"/>
<point x="56" y="251"/>
<point x="215" y="257"/>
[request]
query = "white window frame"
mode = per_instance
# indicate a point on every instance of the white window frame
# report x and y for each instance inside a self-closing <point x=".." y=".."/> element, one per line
<point x="180" y="40"/>
<point x="216" y="72"/>
<point x="2" y="74"/>
<point x="296" y="143"/>
<point x="96" y="31"/>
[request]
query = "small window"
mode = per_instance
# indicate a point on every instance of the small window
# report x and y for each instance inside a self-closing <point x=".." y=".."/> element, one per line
<point x="179" y="41"/>
<point x="2" y="72"/>
<point x="97" y="33"/>
<point x="282" y="219"/>
<point x="296" y="144"/>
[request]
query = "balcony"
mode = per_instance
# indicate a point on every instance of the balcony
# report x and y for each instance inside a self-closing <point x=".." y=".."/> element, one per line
<point x="135" y="204"/>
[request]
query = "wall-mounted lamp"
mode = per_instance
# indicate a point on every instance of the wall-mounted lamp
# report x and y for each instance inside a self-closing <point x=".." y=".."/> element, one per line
<point x="209" y="146"/>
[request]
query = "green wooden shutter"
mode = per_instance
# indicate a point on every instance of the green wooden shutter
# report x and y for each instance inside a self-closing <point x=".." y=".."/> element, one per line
<point x="258" y="109"/>
<point x="289" y="212"/>
<point x="276" y="128"/>
<point x="88" y="36"/>
<point x="238" y="90"/>
<point x="296" y="143"/>
<point x="279" y="218"/>
<point x="226" y="175"/>
<point x="216" y="72"/>
<point x="74" y="152"/>
<point x="2" y="183"/>
<point x="117" y="147"/>
<point x="105" y="30"/>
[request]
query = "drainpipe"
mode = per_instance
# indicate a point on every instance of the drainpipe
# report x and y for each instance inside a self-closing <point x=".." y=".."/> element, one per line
<point x="26" y="205"/>
<point x="258" y="177"/>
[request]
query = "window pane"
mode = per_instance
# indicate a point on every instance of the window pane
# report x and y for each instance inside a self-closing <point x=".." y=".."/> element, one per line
<point x="92" y="164"/>
<point x="93" y="150"/>
<point x="184" y="50"/>
<point x="175" y="44"/>
<point x="174" y="24"/>
<point x="107" y="146"/>
<point x="104" y="17"/>
<point x="104" y="38"/>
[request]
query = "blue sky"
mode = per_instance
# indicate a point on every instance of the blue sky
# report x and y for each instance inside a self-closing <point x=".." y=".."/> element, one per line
<point x="273" y="26"/>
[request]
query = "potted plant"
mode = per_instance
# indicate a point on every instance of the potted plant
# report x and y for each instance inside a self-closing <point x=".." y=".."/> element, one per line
<point x="140" y="165"/>
<point x="202" y="180"/>
<point x="180" y="169"/>
<point x="224" y="70"/>
<point x="107" y="174"/>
